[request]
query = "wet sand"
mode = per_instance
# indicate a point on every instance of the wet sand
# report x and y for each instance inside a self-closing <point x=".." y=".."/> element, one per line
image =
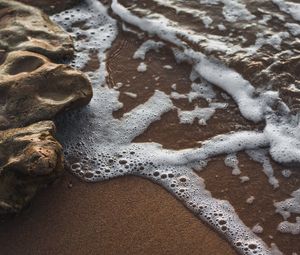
<point x="131" y="215"/>
<point x="124" y="216"/>
<point x="172" y="135"/>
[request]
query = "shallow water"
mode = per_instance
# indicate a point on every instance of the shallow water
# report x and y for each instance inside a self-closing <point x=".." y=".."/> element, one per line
<point x="138" y="121"/>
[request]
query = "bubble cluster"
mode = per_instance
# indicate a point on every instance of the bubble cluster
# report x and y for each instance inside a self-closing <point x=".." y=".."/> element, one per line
<point x="290" y="227"/>
<point x="289" y="206"/>
<point x="93" y="31"/>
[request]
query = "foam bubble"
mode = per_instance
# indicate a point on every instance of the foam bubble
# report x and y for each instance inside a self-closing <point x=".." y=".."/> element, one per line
<point x="289" y="227"/>
<point x="142" y="67"/>
<point x="146" y="47"/>
<point x="286" y="173"/>
<point x="250" y="200"/>
<point x="290" y="205"/>
<point x="258" y="229"/>
<point x="244" y="179"/>
<point x="232" y="161"/>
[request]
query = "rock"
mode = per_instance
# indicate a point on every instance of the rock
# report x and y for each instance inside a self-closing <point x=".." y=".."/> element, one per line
<point x="33" y="89"/>
<point x="30" y="158"/>
<point x="24" y="27"/>
<point x="51" y="6"/>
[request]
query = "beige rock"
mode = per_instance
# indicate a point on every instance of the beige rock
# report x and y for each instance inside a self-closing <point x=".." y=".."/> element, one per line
<point x="34" y="89"/>
<point x="51" y="6"/>
<point x="30" y="158"/>
<point x="23" y="27"/>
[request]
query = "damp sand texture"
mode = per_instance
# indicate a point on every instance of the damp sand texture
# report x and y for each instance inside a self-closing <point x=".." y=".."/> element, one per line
<point x="202" y="105"/>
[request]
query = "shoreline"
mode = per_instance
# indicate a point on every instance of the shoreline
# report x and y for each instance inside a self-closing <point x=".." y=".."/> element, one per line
<point x="131" y="215"/>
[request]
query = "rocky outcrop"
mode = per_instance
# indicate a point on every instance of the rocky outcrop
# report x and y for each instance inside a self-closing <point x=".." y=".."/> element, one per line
<point x="30" y="158"/>
<point x="24" y="27"/>
<point x="32" y="89"/>
<point x="51" y="6"/>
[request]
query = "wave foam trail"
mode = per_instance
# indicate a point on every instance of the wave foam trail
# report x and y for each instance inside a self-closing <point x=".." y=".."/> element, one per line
<point x="99" y="146"/>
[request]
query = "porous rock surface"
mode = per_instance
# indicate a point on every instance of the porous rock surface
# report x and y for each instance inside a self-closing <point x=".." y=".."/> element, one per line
<point x="32" y="89"/>
<point x="51" y="6"/>
<point x="23" y="27"/>
<point x="30" y="158"/>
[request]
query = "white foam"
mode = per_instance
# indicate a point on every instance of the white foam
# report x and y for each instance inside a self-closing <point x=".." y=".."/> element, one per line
<point x="94" y="36"/>
<point x="118" y="85"/>
<point x="252" y="105"/>
<point x="99" y="146"/>
<point x="142" y="67"/>
<point x="294" y="28"/>
<point x="174" y="86"/>
<point x="261" y="157"/>
<point x="266" y="18"/>
<point x="284" y="137"/>
<point x="290" y="205"/>
<point x="157" y="24"/>
<point x="258" y="229"/>
<point x="169" y="67"/>
<point x="176" y="95"/>
<point x="290" y="227"/>
<point x="171" y="31"/>
<point x="290" y="8"/>
<point x="201" y="90"/>
<point x="286" y="173"/>
<point x="207" y="21"/>
<point x="232" y="161"/>
<point x="221" y="27"/>
<point x="202" y="114"/>
<point x="146" y="47"/>
<point x="274" y="40"/>
<point x="130" y="94"/>
<point x="180" y="9"/>
<point x="250" y="200"/>
<point x="233" y="10"/>
<point x="244" y="179"/>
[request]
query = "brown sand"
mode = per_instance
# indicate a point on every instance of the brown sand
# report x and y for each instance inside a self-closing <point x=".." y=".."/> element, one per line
<point x="124" y="216"/>
<point x="171" y="134"/>
<point x="223" y="185"/>
<point x="134" y="216"/>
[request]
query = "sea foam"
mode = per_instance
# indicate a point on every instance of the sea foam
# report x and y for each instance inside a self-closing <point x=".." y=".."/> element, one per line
<point x="99" y="147"/>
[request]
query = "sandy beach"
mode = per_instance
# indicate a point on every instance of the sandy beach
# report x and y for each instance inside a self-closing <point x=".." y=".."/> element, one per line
<point x="122" y="216"/>
<point x="132" y="215"/>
